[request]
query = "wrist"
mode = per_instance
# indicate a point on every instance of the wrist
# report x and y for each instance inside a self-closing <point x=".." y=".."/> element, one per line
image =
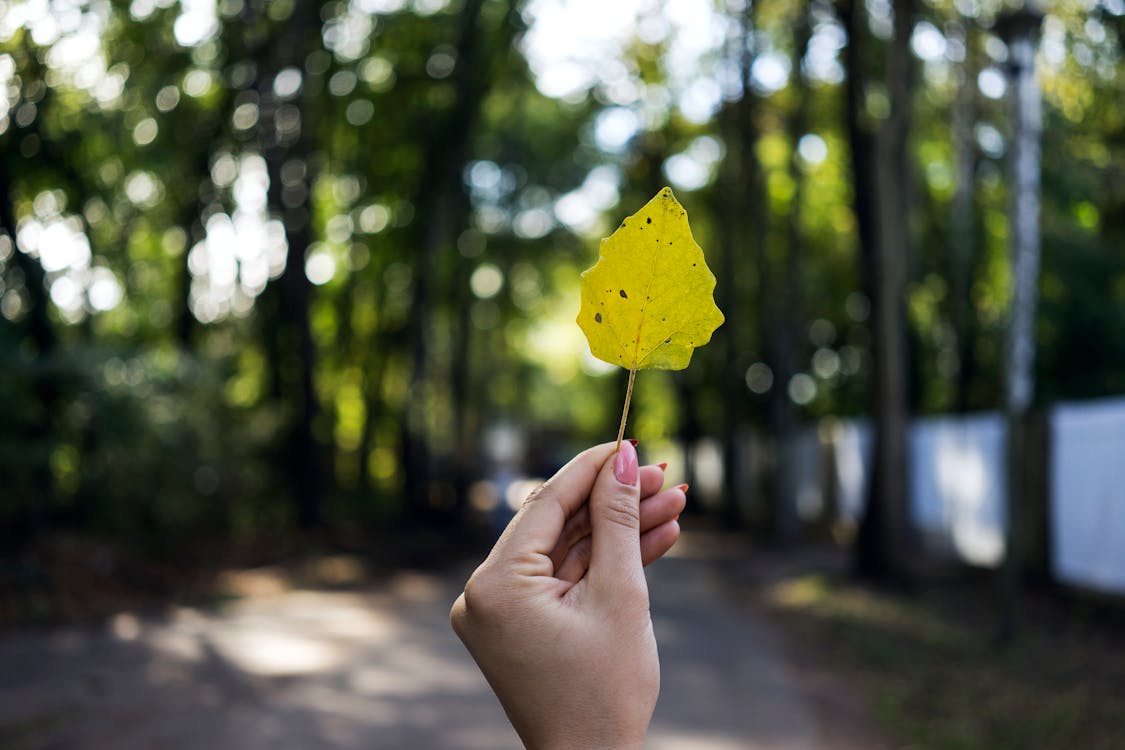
<point x="604" y="745"/>
<point x="576" y="742"/>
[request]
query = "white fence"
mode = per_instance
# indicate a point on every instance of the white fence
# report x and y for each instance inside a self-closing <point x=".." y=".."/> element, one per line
<point x="1087" y="494"/>
<point x="957" y="481"/>
<point x="958" y="485"/>
<point x="852" y="442"/>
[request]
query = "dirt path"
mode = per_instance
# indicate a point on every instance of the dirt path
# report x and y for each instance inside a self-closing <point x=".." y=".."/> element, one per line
<point x="319" y="669"/>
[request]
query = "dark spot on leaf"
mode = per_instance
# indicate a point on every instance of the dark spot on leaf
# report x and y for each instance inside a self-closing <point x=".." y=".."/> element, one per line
<point x="693" y="265"/>
<point x="598" y="317"/>
<point x="667" y="341"/>
<point x="623" y="294"/>
<point x="669" y="242"/>
<point x="648" y="220"/>
<point x="663" y="320"/>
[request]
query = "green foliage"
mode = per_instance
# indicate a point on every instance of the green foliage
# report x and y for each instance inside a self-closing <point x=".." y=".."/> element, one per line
<point x="927" y="666"/>
<point x="406" y="212"/>
<point x="138" y="447"/>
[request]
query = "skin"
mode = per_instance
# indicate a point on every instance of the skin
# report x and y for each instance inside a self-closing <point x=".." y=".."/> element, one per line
<point x="557" y="617"/>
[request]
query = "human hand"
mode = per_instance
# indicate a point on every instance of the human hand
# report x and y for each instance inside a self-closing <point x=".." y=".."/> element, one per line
<point x="557" y="616"/>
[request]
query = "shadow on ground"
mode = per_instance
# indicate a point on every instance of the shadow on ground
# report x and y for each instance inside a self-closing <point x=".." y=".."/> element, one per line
<point x="284" y="668"/>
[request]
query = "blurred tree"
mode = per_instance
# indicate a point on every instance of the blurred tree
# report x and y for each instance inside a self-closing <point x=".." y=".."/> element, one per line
<point x="741" y="234"/>
<point x="882" y="178"/>
<point x="962" y="222"/>
<point x="1021" y="31"/>
<point x="441" y="200"/>
<point x="287" y="135"/>
<point x="266" y="265"/>
<point x="790" y="311"/>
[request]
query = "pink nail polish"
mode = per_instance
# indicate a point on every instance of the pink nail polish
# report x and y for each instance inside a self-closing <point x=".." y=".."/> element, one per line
<point x="625" y="467"/>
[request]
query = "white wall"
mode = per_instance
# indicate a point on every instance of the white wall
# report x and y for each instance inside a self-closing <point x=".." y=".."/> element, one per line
<point x="957" y="481"/>
<point x="958" y="485"/>
<point x="1087" y="494"/>
<point x="853" y="443"/>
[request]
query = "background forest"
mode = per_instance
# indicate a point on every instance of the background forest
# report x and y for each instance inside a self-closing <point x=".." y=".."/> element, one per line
<point x="282" y="271"/>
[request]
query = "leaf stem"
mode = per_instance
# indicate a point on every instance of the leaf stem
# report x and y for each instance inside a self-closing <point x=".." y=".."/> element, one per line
<point x="625" y="410"/>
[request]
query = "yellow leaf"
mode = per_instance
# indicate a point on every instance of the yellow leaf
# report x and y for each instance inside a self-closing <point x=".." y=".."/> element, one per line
<point x="648" y="301"/>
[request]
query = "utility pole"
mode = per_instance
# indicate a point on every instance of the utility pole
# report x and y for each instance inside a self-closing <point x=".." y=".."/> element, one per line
<point x="1020" y="31"/>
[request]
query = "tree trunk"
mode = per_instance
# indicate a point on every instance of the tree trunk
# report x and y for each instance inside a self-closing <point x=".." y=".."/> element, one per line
<point x="791" y="306"/>
<point x="962" y="217"/>
<point x="295" y="374"/>
<point x="774" y="330"/>
<point x="466" y="411"/>
<point x="730" y="295"/>
<point x="1021" y="32"/>
<point x="37" y="327"/>
<point x="881" y="171"/>
<point x="439" y="194"/>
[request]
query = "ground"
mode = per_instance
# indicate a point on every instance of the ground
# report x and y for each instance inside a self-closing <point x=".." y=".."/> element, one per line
<point x="294" y="667"/>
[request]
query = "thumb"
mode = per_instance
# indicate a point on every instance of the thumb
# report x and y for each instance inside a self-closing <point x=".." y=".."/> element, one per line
<point x="615" y="522"/>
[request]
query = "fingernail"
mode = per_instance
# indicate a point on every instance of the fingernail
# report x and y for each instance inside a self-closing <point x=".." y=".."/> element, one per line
<point x="663" y="465"/>
<point x="625" y="466"/>
<point x="682" y="488"/>
<point x="634" y="442"/>
<point x="677" y="518"/>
